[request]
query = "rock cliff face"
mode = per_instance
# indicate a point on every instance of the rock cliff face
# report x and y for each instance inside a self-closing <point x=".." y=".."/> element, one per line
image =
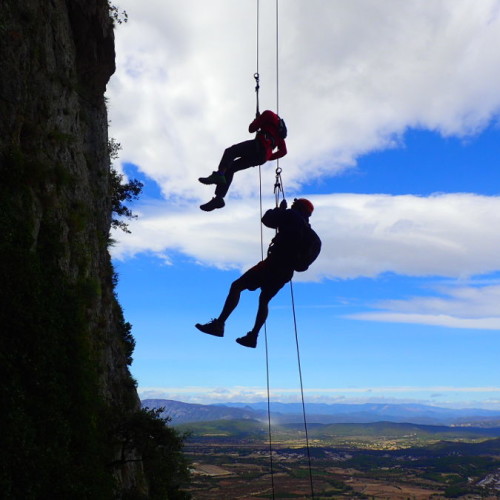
<point x="65" y="384"/>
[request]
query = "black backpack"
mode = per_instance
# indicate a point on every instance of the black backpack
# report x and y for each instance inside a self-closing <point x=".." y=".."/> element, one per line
<point x="282" y="130"/>
<point x="308" y="251"/>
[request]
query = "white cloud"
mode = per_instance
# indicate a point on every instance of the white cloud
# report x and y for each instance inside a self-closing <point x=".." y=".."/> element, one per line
<point x="353" y="77"/>
<point x="449" y="396"/>
<point x="492" y="323"/>
<point x="455" y="307"/>
<point x="446" y="235"/>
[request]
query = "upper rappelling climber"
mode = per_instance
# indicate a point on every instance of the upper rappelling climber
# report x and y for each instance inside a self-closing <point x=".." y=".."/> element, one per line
<point x="271" y="132"/>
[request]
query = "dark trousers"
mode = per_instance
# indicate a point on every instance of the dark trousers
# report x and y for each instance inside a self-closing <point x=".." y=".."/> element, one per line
<point x="267" y="276"/>
<point x="239" y="157"/>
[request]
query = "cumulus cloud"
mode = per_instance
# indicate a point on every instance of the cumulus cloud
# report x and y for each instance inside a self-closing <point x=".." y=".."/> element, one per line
<point x="353" y="77"/>
<point x="447" y="235"/>
<point x="455" y="307"/>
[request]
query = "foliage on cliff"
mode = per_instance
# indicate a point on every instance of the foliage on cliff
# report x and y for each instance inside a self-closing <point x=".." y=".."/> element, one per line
<point x="121" y="192"/>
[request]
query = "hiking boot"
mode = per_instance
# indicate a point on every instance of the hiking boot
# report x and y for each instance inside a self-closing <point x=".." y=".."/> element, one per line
<point x="214" y="327"/>
<point x="215" y="202"/>
<point x="249" y="340"/>
<point x="213" y="178"/>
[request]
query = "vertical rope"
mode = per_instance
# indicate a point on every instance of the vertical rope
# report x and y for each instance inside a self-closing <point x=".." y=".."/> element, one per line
<point x="257" y="111"/>
<point x="279" y="188"/>
<point x="278" y="177"/>
<point x="302" y="391"/>
<point x="277" y="69"/>
<point x="256" y="74"/>
<point x="267" y="352"/>
<point x="261" y="214"/>
<point x="278" y="170"/>
<point x="257" y="37"/>
<point x="277" y="60"/>
<point x="269" y="414"/>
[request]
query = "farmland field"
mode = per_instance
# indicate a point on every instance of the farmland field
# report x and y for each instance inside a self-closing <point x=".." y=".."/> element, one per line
<point x="352" y="462"/>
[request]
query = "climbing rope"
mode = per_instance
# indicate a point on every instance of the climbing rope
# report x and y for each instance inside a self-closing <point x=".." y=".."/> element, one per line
<point x="257" y="112"/>
<point x="279" y="192"/>
<point x="257" y="88"/>
<point x="256" y="74"/>
<point x="267" y="352"/>
<point x="277" y="31"/>
<point x="302" y="390"/>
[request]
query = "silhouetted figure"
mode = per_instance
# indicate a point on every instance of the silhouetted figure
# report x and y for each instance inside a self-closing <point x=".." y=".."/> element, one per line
<point x="285" y="254"/>
<point x="257" y="151"/>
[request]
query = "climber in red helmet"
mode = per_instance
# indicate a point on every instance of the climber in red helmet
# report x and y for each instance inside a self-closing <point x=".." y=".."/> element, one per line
<point x="271" y="133"/>
<point x="271" y="274"/>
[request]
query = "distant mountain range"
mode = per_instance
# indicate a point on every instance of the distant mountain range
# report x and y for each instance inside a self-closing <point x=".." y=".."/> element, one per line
<point x="321" y="413"/>
<point x="182" y="413"/>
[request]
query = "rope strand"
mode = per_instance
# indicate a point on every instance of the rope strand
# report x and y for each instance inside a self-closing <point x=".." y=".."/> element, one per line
<point x="302" y="390"/>
<point x="256" y="74"/>
<point x="277" y="69"/>
<point x="257" y="111"/>
<point x="257" y="37"/>
<point x="278" y="189"/>
<point x="277" y="61"/>
<point x="267" y="353"/>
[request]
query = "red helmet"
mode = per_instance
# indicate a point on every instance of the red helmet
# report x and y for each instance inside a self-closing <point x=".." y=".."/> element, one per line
<point x="304" y="206"/>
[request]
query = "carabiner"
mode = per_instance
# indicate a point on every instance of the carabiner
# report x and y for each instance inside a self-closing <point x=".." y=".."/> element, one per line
<point x="257" y="86"/>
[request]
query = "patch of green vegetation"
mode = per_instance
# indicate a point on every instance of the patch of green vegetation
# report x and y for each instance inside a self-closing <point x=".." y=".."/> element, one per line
<point x="121" y="191"/>
<point x="78" y="217"/>
<point x="58" y="137"/>
<point x="125" y="334"/>
<point x="160" y="449"/>
<point x="385" y="436"/>
<point x="23" y="172"/>
<point x="52" y="429"/>
<point x="234" y="429"/>
<point x="117" y="16"/>
<point x="59" y="435"/>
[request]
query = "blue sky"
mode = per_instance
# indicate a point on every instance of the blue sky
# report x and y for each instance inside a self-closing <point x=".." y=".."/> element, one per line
<point x="394" y="136"/>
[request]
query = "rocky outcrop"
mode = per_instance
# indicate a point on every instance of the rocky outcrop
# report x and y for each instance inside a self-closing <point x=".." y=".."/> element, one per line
<point x="65" y="344"/>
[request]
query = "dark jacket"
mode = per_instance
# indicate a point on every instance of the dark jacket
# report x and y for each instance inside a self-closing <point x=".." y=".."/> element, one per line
<point x="291" y="225"/>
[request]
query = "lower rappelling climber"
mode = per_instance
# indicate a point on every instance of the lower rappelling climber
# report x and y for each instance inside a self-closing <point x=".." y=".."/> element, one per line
<point x="294" y="247"/>
<point x="271" y="133"/>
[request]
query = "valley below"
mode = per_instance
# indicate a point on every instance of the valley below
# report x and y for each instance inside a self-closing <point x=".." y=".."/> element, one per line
<point x="377" y="461"/>
<point x="364" y="451"/>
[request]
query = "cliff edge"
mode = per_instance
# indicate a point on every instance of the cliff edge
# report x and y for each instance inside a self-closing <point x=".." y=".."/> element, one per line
<point x="66" y="390"/>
